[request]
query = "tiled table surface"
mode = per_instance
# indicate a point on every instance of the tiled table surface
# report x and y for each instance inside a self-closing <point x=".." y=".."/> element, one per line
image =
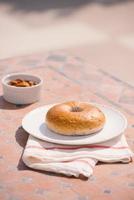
<point x="65" y="78"/>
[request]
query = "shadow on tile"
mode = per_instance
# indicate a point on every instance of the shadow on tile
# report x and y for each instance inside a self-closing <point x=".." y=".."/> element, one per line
<point x="4" y="105"/>
<point x="21" y="136"/>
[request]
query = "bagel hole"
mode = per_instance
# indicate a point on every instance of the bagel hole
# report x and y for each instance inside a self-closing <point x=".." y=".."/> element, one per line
<point x="76" y="109"/>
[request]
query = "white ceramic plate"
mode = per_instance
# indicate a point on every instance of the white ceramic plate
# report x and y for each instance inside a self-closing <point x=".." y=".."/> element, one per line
<point x="34" y="124"/>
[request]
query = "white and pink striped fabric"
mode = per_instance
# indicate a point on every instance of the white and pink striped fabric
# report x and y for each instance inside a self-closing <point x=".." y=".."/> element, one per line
<point x="74" y="160"/>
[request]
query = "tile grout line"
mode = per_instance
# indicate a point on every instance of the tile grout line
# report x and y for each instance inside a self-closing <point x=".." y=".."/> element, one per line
<point x="97" y="94"/>
<point x="113" y="103"/>
<point x="115" y="78"/>
<point x="77" y="82"/>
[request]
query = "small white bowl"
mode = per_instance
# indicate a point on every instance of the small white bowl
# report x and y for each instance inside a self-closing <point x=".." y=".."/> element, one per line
<point x="21" y="95"/>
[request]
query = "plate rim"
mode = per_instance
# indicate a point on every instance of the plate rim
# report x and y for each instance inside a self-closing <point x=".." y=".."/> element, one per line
<point x="66" y="142"/>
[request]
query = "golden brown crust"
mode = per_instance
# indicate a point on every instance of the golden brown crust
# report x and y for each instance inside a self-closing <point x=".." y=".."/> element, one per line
<point x="75" y="118"/>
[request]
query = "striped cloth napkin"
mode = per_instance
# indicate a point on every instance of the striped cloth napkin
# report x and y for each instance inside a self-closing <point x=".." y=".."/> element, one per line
<point x="74" y="160"/>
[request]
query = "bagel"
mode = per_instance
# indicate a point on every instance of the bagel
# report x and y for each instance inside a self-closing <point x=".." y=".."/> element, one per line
<point x="75" y="118"/>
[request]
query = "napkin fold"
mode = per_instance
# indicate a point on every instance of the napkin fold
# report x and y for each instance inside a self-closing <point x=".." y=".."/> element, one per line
<point x="74" y="160"/>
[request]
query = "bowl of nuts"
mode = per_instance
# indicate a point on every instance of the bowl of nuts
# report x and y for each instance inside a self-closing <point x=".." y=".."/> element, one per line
<point x="21" y="88"/>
